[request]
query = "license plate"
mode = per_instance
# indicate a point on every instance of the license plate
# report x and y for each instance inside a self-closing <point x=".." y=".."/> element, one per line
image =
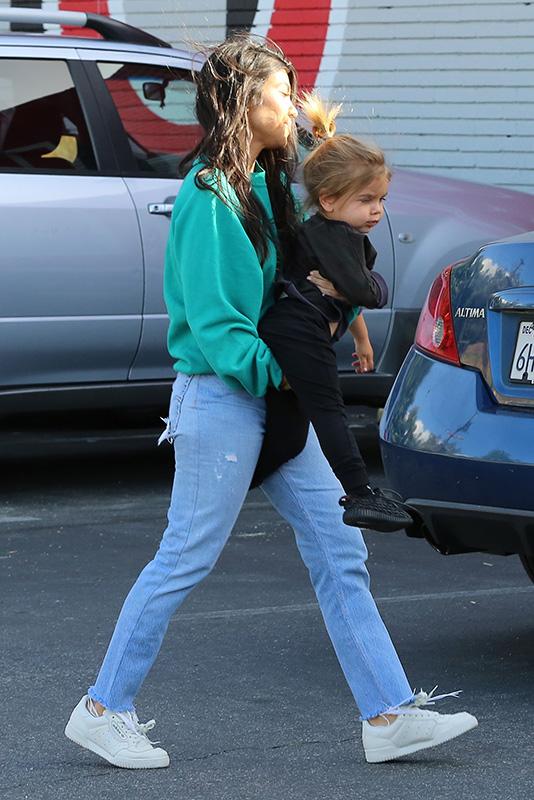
<point x="523" y="360"/>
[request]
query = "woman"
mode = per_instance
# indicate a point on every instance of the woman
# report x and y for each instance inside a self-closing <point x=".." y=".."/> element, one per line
<point x="234" y="207"/>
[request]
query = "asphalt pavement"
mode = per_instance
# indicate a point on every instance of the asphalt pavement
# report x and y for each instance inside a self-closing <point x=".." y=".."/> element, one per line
<point x="247" y="694"/>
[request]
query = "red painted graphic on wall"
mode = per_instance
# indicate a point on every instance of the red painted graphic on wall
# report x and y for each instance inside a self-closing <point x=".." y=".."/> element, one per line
<point x="150" y="131"/>
<point x="301" y="33"/>
<point x="90" y="7"/>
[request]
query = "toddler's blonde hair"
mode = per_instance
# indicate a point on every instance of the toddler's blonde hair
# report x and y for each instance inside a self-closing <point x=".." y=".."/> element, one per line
<point x="339" y="165"/>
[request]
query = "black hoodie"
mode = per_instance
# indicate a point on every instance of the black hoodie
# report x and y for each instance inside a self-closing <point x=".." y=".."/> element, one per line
<point x="343" y="255"/>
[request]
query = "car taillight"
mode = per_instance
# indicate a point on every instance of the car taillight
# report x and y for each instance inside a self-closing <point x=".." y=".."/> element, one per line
<point x="435" y="331"/>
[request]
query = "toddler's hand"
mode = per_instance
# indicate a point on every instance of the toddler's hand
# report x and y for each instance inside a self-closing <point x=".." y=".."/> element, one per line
<point x="363" y="356"/>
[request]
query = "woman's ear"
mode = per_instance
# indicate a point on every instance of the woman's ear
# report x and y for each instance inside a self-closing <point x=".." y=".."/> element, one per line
<point x="326" y="201"/>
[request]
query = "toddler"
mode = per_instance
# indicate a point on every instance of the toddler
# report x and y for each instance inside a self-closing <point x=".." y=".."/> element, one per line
<point x="346" y="180"/>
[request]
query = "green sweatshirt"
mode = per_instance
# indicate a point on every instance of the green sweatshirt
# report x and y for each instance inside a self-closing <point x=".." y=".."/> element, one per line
<point x="216" y="290"/>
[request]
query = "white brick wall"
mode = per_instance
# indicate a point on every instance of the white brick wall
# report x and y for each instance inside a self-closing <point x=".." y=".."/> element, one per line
<point x="445" y="87"/>
<point x="178" y="21"/>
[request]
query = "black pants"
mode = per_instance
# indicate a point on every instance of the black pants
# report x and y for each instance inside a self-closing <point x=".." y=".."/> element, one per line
<point x="300" y="340"/>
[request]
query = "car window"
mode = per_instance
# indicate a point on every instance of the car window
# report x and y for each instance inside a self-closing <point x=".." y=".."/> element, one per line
<point x="156" y="107"/>
<point x="42" y="126"/>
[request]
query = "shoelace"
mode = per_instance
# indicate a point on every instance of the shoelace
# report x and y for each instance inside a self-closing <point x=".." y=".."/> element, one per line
<point x="420" y="700"/>
<point x="145" y="727"/>
<point x="129" y="718"/>
<point x="429" y="698"/>
<point x="137" y="728"/>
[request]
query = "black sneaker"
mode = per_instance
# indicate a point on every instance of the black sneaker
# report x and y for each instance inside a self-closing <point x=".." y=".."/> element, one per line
<point x="375" y="510"/>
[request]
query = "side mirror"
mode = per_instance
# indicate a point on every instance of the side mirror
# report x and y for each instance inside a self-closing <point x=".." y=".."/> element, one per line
<point x="155" y="91"/>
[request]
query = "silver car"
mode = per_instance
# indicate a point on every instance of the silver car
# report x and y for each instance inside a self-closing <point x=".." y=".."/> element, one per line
<point x="91" y="136"/>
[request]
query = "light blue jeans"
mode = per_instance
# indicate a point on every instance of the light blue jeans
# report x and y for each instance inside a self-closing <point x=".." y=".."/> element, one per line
<point x="217" y="435"/>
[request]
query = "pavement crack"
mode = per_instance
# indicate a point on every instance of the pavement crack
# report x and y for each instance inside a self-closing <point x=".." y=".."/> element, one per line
<point x="260" y="749"/>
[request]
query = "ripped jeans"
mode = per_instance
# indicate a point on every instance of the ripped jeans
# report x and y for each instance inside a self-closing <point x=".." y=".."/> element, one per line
<point x="217" y="435"/>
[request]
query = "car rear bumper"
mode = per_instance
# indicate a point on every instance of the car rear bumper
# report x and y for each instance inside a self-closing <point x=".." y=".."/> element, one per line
<point x="465" y="464"/>
<point x="460" y="527"/>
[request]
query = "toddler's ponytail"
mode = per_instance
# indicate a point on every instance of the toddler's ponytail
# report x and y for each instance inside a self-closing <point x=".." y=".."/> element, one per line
<point x="320" y="114"/>
<point x="338" y="165"/>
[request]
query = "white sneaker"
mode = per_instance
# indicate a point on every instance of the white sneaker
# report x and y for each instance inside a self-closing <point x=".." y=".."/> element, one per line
<point x="118" y="737"/>
<point x="414" y="729"/>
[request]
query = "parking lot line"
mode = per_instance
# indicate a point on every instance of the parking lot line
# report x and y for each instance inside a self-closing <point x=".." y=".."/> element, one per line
<point x="305" y="607"/>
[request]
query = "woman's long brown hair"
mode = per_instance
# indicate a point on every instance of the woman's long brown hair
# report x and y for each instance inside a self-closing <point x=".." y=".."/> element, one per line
<point x="230" y="81"/>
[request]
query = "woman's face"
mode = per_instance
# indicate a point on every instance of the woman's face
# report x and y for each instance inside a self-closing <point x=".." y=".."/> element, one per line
<point x="272" y="121"/>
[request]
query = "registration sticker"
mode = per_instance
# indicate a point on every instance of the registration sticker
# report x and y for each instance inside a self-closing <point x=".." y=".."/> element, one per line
<point x="523" y="360"/>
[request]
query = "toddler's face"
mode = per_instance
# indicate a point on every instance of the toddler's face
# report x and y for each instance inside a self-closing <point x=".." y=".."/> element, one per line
<point x="363" y="209"/>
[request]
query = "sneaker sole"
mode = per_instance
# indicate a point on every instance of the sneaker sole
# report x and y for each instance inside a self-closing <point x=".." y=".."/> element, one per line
<point x="390" y="754"/>
<point x="378" y="525"/>
<point x="78" y="738"/>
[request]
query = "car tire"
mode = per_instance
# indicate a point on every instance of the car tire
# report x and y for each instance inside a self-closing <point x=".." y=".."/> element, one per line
<point x="528" y="563"/>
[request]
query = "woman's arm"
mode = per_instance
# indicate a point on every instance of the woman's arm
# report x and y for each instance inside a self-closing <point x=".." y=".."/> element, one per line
<point x="325" y="286"/>
<point x="222" y="284"/>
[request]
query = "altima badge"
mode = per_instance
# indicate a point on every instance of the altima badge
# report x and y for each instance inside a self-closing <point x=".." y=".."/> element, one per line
<point x="470" y="313"/>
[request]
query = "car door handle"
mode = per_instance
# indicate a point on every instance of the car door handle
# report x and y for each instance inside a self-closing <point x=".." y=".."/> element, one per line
<point x="163" y="209"/>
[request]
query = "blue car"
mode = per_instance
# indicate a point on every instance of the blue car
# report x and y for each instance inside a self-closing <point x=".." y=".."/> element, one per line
<point x="457" y="433"/>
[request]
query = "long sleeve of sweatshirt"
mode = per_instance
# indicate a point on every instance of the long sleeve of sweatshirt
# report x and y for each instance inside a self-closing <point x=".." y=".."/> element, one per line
<point x="216" y="291"/>
<point x="345" y="257"/>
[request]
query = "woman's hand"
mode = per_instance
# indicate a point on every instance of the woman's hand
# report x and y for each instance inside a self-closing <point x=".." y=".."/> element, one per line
<point x="363" y="355"/>
<point x="325" y="286"/>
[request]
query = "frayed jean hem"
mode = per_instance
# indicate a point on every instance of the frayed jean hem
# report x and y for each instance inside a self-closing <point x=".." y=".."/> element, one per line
<point x="388" y="709"/>
<point x="99" y="699"/>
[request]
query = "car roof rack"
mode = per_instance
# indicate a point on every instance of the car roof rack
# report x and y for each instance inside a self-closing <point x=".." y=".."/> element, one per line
<point x="107" y="27"/>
